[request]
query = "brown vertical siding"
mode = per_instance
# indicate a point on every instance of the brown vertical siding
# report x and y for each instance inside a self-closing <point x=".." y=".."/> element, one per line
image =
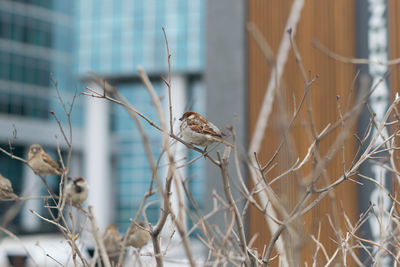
<point x="394" y="42"/>
<point x="332" y="23"/>
<point x="394" y="52"/>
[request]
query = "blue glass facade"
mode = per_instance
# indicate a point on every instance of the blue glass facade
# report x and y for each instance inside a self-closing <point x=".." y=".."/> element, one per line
<point x="35" y="41"/>
<point x="132" y="169"/>
<point x="114" y="37"/>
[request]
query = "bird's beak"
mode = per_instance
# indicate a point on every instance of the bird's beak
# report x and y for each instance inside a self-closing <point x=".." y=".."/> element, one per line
<point x="181" y="119"/>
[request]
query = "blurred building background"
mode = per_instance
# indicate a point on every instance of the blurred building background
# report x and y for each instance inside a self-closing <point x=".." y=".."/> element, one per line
<point x="218" y="69"/>
<point x="113" y="39"/>
<point x="35" y="41"/>
<point x="69" y="39"/>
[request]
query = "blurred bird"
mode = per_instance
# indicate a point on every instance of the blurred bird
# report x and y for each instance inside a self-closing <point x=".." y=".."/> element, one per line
<point x="112" y="243"/>
<point x="139" y="237"/>
<point x="76" y="191"/>
<point x="41" y="162"/>
<point x="6" y="190"/>
<point x="199" y="131"/>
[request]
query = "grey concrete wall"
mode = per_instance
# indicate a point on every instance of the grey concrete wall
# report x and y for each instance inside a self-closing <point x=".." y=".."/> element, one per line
<point x="226" y="78"/>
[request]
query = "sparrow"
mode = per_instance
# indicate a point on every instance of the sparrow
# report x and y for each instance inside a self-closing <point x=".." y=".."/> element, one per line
<point x="139" y="237"/>
<point x="76" y="192"/>
<point x="112" y="243"/>
<point x="6" y="190"/>
<point x="41" y="162"/>
<point x="198" y="131"/>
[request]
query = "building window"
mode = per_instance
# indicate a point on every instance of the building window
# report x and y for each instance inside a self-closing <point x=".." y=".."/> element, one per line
<point x="27" y="105"/>
<point x="13" y="170"/>
<point x="131" y="168"/>
<point x="25" y="29"/>
<point x="39" y="3"/>
<point x="25" y="69"/>
<point x="132" y="171"/>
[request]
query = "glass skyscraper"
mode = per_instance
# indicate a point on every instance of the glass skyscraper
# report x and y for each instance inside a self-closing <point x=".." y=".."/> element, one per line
<point x="35" y="42"/>
<point x="68" y="39"/>
<point x="114" y="37"/>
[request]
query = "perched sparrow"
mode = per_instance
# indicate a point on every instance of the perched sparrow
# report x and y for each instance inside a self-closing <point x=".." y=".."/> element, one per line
<point x="112" y="243"/>
<point x="6" y="191"/>
<point x="77" y="191"/>
<point x="199" y="131"/>
<point x="41" y="162"/>
<point x="138" y="237"/>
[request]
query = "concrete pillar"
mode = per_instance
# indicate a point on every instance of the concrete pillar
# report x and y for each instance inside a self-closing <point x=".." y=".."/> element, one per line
<point x="98" y="158"/>
<point x="225" y="77"/>
<point x="178" y="97"/>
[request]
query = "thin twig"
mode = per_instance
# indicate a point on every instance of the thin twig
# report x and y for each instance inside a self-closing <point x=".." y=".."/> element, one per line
<point x="231" y="201"/>
<point x="169" y="83"/>
<point x="97" y="238"/>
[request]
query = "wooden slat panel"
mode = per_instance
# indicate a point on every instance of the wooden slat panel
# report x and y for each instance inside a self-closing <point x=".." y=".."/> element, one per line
<point x="394" y="42"/>
<point x="394" y="52"/>
<point x="331" y="23"/>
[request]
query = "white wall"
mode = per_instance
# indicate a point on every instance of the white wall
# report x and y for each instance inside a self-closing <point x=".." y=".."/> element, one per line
<point x="98" y="158"/>
<point x="178" y="99"/>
